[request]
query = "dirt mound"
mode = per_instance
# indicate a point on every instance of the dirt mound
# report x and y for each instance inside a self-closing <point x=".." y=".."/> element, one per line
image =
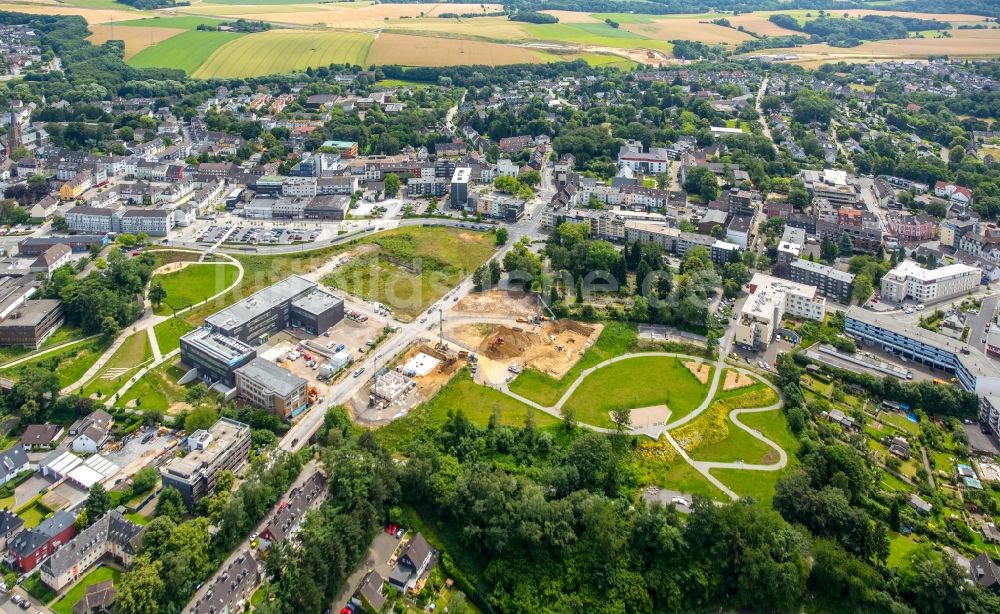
<point x="507" y="343"/>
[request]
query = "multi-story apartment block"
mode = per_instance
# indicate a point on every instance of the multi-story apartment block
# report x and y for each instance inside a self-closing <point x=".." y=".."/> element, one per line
<point x="910" y="281"/>
<point x="654" y="161"/>
<point x="770" y="300"/>
<point x="111" y="535"/>
<point x="829" y="281"/>
<point x="224" y="446"/>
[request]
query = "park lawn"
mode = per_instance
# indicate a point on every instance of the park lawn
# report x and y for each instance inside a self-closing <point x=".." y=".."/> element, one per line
<point x="169" y="332"/>
<point x="158" y="388"/>
<point x="193" y="284"/>
<point x="69" y="363"/>
<point x="169" y="256"/>
<point x="685" y="478"/>
<point x="643" y="381"/>
<point x="413" y="267"/>
<point x="757" y="484"/>
<point x="185" y="51"/>
<point x="616" y="339"/>
<point x="900" y="548"/>
<point x="736" y="447"/>
<point x="75" y="594"/>
<point x="284" y="51"/>
<point x="774" y="426"/>
<point x="127" y="359"/>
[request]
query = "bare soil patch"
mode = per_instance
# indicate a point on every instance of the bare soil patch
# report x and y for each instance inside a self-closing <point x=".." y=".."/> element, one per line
<point x="642" y="417"/>
<point x="428" y="385"/>
<point x="136" y="38"/>
<point x="552" y="348"/>
<point x="498" y="303"/>
<point x="735" y="379"/>
<point x="699" y="370"/>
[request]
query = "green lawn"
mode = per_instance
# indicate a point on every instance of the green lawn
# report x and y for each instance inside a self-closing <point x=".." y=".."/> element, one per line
<point x="69" y="363"/>
<point x="616" y="339"/>
<point x="185" y="51"/>
<point x="757" y="484"/>
<point x="478" y="403"/>
<point x="33" y="514"/>
<point x="98" y="575"/>
<point x="637" y="382"/>
<point x="193" y="284"/>
<point x="158" y="388"/>
<point x="169" y="332"/>
<point x="127" y="359"/>
<point x="774" y="426"/>
<point x="64" y="334"/>
<point x="899" y="421"/>
<point x="413" y="267"/>
<point x="685" y="478"/>
<point x="594" y="34"/>
<point x="737" y="446"/>
<point x="38" y="589"/>
<point x="900" y="548"/>
<point x="891" y="482"/>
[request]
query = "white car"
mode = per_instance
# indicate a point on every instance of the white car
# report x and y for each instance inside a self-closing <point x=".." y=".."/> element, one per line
<point x="920" y="307"/>
<point x="908" y="310"/>
<point x="359" y="371"/>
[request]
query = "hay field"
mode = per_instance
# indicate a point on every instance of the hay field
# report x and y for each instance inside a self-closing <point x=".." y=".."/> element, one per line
<point x="573" y="16"/>
<point x="136" y="39"/>
<point x="283" y="51"/>
<point x="760" y="24"/>
<point x="185" y="51"/>
<point x="964" y="43"/>
<point x="687" y="29"/>
<point x="498" y="29"/>
<point x="340" y="15"/>
<point x="91" y="15"/>
<point x="425" y="51"/>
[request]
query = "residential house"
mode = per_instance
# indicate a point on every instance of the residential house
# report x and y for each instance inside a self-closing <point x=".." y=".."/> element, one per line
<point x="985" y="573"/>
<point x="41" y="436"/>
<point x="900" y="447"/>
<point x="412" y="563"/>
<point x="32" y="546"/>
<point x="370" y="595"/>
<point x="51" y="259"/>
<point x="10" y="524"/>
<point x="91" y="432"/>
<point x="12" y="462"/>
<point x="97" y="599"/>
<point x="918" y="504"/>
<point x="112" y="535"/>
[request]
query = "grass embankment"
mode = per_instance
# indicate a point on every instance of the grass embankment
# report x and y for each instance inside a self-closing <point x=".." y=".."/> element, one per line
<point x="193" y="284"/>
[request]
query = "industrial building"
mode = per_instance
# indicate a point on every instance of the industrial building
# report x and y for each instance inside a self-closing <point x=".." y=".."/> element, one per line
<point x="771" y="299"/>
<point x="224" y="446"/>
<point x="215" y="356"/>
<point x="263" y="384"/>
<point x="910" y="281"/>
<point x="294" y="301"/>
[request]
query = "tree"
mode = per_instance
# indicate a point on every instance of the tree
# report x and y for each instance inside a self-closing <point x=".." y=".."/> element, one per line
<point x="59" y="224"/>
<point x="494" y="272"/>
<point x="200" y="418"/>
<point x="477" y="278"/>
<point x="141" y="590"/>
<point x="98" y="503"/>
<point x="501" y="235"/>
<point x="530" y="178"/>
<point x="145" y="480"/>
<point x="170" y="504"/>
<point x="392" y="184"/>
<point x="157" y="293"/>
<point x="863" y="289"/>
<point x="703" y="182"/>
<point x="846" y="247"/>
<point x="622" y="418"/>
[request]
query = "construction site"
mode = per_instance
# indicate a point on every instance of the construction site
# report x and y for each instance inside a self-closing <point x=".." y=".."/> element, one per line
<point x="498" y="304"/>
<point x="552" y="347"/>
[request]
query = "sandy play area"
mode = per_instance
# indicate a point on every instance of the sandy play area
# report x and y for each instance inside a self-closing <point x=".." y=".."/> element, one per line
<point x="642" y="417"/>
<point x="700" y="370"/>
<point x="552" y="348"/>
<point x="735" y="379"/>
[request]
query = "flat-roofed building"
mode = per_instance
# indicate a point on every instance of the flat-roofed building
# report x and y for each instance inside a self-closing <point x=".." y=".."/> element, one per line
<point x="32" y="323"/>
<point x="770" y="300"/>
<point x="460" y="187"/>
<point x="910" y="281"/>
<point x="264" y="384"/>
<point x="224" y="446"/>
<point x="829" y="281"/>
<point x="215" y="355"/>
<point x="258" y="316"/>
<point x="315" y="311"/>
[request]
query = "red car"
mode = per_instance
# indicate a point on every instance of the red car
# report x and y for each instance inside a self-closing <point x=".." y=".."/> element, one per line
<point x="392" y="528"/>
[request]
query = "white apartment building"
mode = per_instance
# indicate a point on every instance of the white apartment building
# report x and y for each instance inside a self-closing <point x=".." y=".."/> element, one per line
<point x="153" y="222"/>
<point x="299" y="187"/>
<point x="910" y="281"/>
<point x="654" y="161"/>
<point x="770" y="300"/>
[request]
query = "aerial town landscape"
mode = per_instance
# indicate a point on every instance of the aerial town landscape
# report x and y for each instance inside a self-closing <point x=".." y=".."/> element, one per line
<point x="537" y="306"/>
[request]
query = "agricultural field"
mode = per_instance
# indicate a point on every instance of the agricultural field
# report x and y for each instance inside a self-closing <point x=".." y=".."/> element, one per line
<point x="185" y="51"/>
<point x="595" y="34"/>
<point x="687" y="29"/>
<point x="427" y="51"/>
<point x="282" y="51"/>
<point x="135" y="38"/>
<point x="92" y="15"/>
<point x="337" y="15"/>
<point x="193" y="284"/>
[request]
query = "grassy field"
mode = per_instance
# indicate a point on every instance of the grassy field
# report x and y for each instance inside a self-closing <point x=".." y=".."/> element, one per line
<point x="599" y="34"/>
<point x="757" y="484"/>
<point x="413" y="267"/>
<point x="284" y="51"/>
<point x="477" y="402"/>
<point x="98" y="575"/>
<point x="900" y="548"/>
<point x="185" y="51"/>
<point x="899" y="421"/>
<point x="687" y="29"/>
<point x="182" y="23"/>
<point x="102" y="14"/>
<point x="69" y="363"/>
<point x="33" y="513"/>
<point x="412" y="50"/>
<point x="193" y="284"/>
<point x="126" y="360"/>
<point x="636" y="382"/>
<point x="736" y="447"/>
<point x="158" y="389"/>
<point x="64" y="334"/>
<point x="169" y="332"/>
<point x="616" y="339"/>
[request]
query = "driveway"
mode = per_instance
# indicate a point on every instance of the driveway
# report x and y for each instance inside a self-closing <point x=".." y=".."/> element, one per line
<point x="377" y="559"/>
<point x="30" y="488"/>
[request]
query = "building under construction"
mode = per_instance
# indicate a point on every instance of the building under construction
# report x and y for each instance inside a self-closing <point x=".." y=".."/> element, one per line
<point x="389" y="387"/>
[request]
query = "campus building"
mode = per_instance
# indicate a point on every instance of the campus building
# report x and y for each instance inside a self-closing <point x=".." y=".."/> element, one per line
<point x="974" y="371"/>
<point x="215" y="356"/>
<point x="263" y="384"/>
<point x="292" y="302"/>
<point x="224" y="446"/>
<point x="32" y="323"/>
<point x="910" y="281"/>
<point x="770" y="300"/>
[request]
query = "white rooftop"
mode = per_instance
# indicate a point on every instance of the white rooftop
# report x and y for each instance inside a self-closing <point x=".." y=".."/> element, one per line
<point x="909" y="268"/>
